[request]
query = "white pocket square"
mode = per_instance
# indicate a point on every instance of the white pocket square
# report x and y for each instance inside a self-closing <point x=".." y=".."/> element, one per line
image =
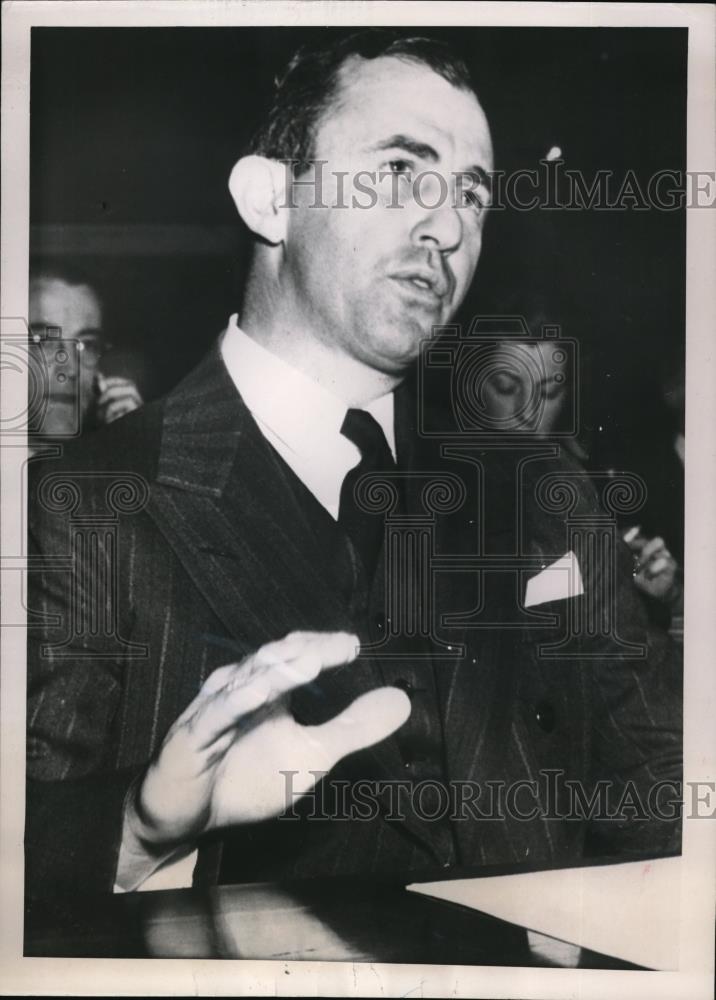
<point x="557" y="582"/>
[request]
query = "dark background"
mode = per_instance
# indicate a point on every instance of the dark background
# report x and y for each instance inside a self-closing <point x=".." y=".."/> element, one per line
<point x="134" y="133"/>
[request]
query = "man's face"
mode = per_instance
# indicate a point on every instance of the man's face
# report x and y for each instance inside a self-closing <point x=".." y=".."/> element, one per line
<point x="67" y="320"/>
<point x="374" y="281"/>
<point x="525" y="386"/>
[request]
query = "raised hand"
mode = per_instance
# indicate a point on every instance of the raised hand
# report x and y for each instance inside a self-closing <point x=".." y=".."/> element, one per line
<point x="221" y="761"/>
<point x="656" y="572"/>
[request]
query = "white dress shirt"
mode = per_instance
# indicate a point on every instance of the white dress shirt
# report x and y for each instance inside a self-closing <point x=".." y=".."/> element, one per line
<point x="301" y="419"/>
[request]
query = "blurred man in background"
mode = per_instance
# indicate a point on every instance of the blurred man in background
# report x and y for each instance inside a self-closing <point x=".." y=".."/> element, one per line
<point x="65" y="320"/>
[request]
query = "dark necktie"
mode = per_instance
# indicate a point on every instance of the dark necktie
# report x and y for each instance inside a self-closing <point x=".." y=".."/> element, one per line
<point x="364" y="528"/>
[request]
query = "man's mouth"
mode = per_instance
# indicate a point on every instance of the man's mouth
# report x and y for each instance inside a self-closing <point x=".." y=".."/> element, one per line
<point x="63" y="396"/>
<point x="430" y="288"/>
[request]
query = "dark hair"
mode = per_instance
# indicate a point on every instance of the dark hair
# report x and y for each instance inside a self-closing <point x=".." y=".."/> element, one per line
<point x="65" y="271"/>
<point x="310" y="84"/>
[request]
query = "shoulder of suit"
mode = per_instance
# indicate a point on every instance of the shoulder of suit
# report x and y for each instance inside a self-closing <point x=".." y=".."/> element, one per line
<point x="565" y="470"/>
<point x="130" y="444"/>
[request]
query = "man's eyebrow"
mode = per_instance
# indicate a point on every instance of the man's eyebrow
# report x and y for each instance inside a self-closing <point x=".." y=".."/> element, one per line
<point x="420" y="149"/>
<point x="478" y="176"/>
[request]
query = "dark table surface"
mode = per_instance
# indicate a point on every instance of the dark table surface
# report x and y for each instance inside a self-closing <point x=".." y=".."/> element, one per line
<point x="318" y="920"/>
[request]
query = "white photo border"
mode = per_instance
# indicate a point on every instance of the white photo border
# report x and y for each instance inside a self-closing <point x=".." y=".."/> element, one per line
<point x="208" y="977"/>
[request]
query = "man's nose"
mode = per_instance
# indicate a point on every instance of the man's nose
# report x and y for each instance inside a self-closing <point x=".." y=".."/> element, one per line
<point x="440" y="222"/>
<point x="62" y="362"/>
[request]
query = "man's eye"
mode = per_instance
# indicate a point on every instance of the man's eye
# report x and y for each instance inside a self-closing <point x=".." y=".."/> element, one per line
<point x="474" y="199"/>
<point x="402" y="167"/>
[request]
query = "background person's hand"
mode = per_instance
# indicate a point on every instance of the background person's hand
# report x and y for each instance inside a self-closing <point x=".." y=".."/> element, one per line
<point x="656" y="572"/>
<point x="221" y="761"/>
<point x="116" y="396"/>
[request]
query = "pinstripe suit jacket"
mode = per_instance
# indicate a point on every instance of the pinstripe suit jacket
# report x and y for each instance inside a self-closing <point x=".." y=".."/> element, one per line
<point x="171" y="543"/>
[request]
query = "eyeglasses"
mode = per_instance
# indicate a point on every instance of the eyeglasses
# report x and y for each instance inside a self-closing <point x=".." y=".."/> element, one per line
<point x="89" y="344"/>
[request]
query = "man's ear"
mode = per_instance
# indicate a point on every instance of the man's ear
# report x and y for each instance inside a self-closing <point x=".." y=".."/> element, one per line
<point x="258" y="187"/>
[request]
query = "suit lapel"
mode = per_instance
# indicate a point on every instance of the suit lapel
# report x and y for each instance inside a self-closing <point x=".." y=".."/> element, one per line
<point x="222" y="500"/>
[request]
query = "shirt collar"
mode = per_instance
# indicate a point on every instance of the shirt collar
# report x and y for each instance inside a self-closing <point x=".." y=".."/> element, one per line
<point x="301" y="413"/>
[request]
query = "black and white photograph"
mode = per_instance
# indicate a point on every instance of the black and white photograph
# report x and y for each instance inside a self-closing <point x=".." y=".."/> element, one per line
<point x="358" y="481"/>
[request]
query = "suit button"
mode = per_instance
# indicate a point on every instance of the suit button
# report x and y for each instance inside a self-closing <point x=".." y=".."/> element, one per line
<point x="412" y="755"/>
<point x="544" y="716"/>
<point x="404" y="685"/>
<point x="379" y="622"/>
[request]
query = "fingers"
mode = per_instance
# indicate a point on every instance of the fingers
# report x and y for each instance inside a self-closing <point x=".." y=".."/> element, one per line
<point x="116" y="410"/>
<point x="656" y="570"/>
<point x="651" y="548"/>
<point x="634" y="538"/>
<point x="117" y="393"/>
<point x="654" y="559"/>
<point x="282" y="652"/>
<point x="233" y="692"/>
<point x="117" y="396"/>
<point x="296" y="659"/>
<point x="651" y="558"/>
<point x="369" y="719"/>
<point x="658" y="566"/>
<point x="106" y="382"/>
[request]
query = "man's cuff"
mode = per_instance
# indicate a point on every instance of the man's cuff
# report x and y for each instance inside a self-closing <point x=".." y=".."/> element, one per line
<point x="141" y="868"/>
<point x="175" y="873"/>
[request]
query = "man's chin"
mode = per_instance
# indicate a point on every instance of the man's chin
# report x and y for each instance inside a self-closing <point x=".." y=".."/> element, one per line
<point x="395" y="363"/>
<point x="61" y="420"/>
<point x="401" y="343"/>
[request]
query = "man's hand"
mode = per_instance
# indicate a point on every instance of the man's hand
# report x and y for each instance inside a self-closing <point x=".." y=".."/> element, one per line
<point x="116" y="397"/>
<point x="221" y="761"/>
<point x="656" y="572"/>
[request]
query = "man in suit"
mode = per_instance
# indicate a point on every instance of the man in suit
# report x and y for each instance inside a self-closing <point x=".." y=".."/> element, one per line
<point x="65" y="319"/>
<point x="223" y="647"/>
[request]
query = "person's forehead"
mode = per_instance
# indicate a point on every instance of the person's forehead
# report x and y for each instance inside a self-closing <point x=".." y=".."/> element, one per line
<point x="72" y="307"/>
<point x="545" y="353"/>
<point x="393" y="96"/>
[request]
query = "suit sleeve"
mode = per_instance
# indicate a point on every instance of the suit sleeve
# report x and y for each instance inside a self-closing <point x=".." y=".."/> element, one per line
<point x="637" y="731"/>
<point x="75" y="795"/>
